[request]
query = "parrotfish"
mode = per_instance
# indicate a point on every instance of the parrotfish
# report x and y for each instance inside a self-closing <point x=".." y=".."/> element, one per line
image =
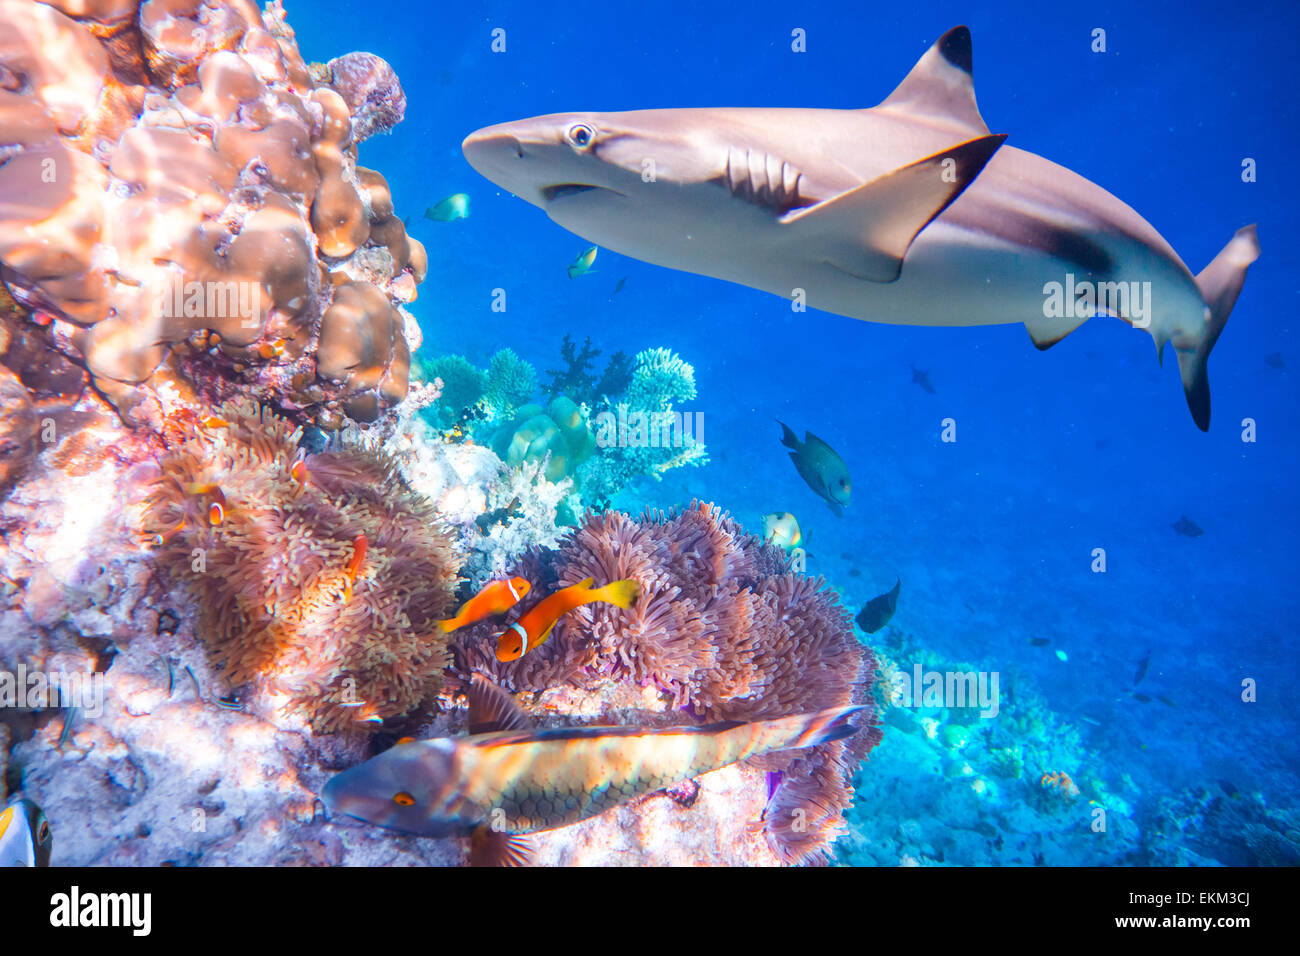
<point x="535" y="626"/>
<point x="25" y="837"/>
<point x="505" y="779"/>
<point x="781" y="529"/>
<point x="453" y="207"/>
<point x="495" y="598"/>
<point x="821" y="467"/>
<point x="582" y="265"/>
<point x="1142" y="669"/>
<point x="879" y="611"/>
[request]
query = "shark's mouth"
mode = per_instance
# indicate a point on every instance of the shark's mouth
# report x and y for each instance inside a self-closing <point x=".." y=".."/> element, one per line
<point x="561" y="190"/>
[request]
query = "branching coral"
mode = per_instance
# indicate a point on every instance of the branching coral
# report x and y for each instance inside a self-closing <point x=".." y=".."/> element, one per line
<point x="722" y="629"/>
<point x="640" y="432"/>
<point x="510" y="383"/>
<point x="463" y="386"/>
<point x="184" y="204"/>
<point x="319" y="577"/>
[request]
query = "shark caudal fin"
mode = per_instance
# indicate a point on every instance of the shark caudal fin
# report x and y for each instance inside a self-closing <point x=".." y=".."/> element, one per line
<point x="1220" y="283"/>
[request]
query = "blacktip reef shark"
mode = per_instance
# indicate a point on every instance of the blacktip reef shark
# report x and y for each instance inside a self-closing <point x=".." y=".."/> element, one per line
<point x="910" y="212"/>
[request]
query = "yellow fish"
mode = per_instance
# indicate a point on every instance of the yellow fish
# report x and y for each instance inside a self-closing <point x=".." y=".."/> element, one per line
<point x="507" y="779"/>
<point x="780" y="529"/>
<point x="582" y="265"/>
<point x="453" y="207"/>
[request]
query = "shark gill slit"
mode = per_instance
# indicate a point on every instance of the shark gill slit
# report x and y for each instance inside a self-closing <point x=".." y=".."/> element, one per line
<point x="763" y="179"/>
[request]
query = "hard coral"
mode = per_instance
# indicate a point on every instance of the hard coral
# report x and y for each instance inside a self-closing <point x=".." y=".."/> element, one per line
<point x="185" y="206"/>
<point x="723" y="630"/>
<point x="558" y="435"/>
<point x="372" y="91"/>
<point x="319" y="577"/>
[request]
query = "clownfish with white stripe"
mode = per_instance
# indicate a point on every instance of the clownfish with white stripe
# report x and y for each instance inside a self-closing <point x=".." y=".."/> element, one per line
<point x="536" y="624"/>
<point x="496" y="598"/>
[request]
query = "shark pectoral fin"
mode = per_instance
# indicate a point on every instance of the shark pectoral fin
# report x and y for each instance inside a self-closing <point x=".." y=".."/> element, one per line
<point x="1047" y="331"/>
<point x="940" y="86"/>
<point x="866" y="231"/>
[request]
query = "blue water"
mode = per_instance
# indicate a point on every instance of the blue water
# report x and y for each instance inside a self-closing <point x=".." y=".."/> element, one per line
<point x="1088" y="445"/>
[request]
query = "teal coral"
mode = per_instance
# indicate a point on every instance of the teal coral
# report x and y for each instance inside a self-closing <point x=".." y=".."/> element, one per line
<point x="631" y="429"/>
<point x="558" y="435"/>
<point x="511" y="382"/>
<point x="660" y="378"/>
<point x="463" y="385"/>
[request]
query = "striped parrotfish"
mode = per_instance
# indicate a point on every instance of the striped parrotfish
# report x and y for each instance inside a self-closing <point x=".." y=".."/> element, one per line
<point x="505" y="779"/>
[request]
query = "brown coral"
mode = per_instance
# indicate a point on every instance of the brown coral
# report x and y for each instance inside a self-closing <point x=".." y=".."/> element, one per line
<point x="723" y="630"/>
<point x="319" y="577"/>
<point x="178" y="197"/>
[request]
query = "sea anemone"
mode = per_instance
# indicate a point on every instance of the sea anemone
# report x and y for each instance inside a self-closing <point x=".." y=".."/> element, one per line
<point x="722" y="629"/>
<point x="319" y="577"/>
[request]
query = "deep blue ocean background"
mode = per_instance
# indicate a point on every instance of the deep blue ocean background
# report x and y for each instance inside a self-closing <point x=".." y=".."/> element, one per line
<point x="1087" y="445"/>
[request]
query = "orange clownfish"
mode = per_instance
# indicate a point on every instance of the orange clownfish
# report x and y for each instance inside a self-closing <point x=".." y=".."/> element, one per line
<point x="359" y="548"/>
<point x="496" y="598"/>
<point x="535" y="626"/>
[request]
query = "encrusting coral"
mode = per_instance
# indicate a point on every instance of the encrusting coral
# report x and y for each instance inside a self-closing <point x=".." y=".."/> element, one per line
<point x="722" y="631"/>
<point x="181" y="206"/>
<point x="557" y="435"/>
<point x="319" y="577"/>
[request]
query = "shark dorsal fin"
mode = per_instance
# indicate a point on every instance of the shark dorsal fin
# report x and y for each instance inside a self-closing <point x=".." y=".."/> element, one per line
<point x="866" y="231"/>
<point x="940" y="86"/>
<point x="491" y="709"/>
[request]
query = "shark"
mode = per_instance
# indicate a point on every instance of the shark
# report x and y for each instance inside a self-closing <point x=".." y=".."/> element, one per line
<point x="908" y="212"/>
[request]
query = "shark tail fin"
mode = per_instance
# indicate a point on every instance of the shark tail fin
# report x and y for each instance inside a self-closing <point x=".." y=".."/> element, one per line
<point x="1220" y="283"/>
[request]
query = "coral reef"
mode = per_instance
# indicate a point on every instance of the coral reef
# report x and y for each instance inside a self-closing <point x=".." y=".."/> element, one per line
<point x="557" y="437"/>
<point x="722" y="631"/>
<point x="463" y="386"/>
<point x="510" y="383"/>
<point x="181" y="209"/>
<point x="639" y="432"/>
<point x="578" y="379"/>
<point x="318" y="577"/>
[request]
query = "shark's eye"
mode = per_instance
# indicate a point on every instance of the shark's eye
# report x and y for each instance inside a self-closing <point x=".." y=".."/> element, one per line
<point x="581" y="135"/>
<point x="403" y="799"/>
<point x="43" y="835"/>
